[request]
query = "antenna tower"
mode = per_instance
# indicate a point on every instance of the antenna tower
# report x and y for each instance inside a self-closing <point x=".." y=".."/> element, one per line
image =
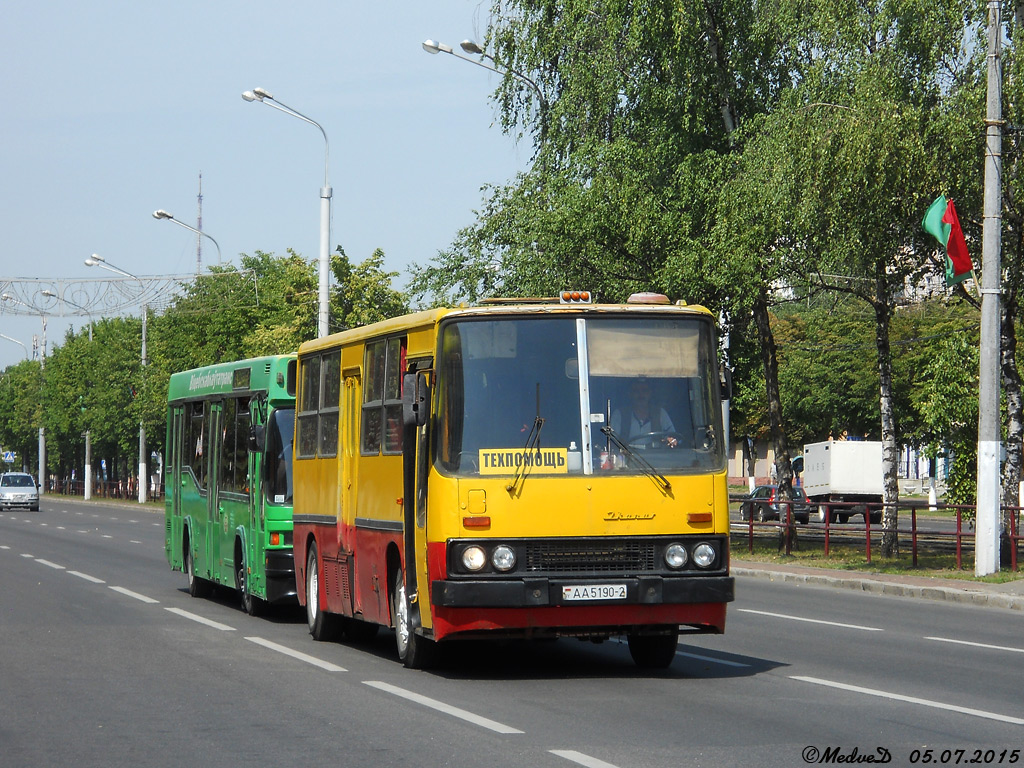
<point x="199" y="226"/>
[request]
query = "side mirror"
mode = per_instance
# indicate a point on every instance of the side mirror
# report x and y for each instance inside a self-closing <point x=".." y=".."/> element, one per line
<point x="257" y="438"/>
<point x="725" y="379"/>
<point x="415" y="399"/>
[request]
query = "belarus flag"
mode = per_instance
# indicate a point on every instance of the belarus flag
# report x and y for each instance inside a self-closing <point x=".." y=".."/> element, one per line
<point x="941" y="221"/>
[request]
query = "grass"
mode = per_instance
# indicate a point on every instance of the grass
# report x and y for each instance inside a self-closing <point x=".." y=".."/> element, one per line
<point x="849" y="558"/>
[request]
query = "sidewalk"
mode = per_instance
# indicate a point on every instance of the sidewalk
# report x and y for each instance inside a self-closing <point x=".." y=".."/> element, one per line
<point x="1009" y="595"/>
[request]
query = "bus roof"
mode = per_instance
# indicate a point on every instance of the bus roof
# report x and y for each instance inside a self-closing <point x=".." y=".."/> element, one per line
<point x="431" y="317"/>
<point x="260" y="374"/>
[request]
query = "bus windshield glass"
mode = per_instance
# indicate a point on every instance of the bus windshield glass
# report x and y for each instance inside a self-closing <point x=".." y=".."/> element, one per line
<point x="628" y="387"/>
<point x="277" y="457"/>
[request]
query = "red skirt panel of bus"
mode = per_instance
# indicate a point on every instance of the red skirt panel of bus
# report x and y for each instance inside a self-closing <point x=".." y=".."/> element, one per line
<point x="570" y="619"/>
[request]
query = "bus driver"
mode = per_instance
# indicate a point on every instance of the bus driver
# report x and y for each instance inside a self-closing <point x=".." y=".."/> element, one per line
<point x="644" y="419"/>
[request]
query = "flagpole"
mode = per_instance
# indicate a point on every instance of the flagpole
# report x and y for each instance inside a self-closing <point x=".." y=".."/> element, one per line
<point x="986" y="549"/>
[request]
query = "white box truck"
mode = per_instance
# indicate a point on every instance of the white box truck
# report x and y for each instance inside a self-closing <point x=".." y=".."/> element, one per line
<point x="847" y="473"/>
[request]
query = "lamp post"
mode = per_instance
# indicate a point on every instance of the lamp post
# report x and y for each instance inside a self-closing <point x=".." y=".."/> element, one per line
<point x="99" y="261"/>
<point x="87" y="491"/>
<point x="162" y="214"/>
<point x="64" y="300"/>
<point x="42" y="366"/>
<point x="264" y="97"/>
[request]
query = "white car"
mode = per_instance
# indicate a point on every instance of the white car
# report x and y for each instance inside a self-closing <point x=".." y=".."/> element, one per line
<point x="19" y="489"/>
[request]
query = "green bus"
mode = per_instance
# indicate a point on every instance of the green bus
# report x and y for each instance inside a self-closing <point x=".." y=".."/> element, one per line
<point x="228" y="478"/>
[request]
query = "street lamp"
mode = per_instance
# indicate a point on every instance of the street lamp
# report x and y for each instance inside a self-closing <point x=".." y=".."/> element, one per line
<point x="53" y="295"/>
<point x="162" y="214"/>
<point x="15" y="341"/>
<point x="264" y="97"/>
<point x="99" y="261"/>
<point x="434" y="47"/>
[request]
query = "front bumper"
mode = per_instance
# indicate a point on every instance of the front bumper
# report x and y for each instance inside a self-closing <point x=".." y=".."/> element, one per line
<point x="537" y="592"/>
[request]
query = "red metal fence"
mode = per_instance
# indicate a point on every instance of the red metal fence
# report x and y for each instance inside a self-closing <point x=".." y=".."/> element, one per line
<point x="933" y="534"/>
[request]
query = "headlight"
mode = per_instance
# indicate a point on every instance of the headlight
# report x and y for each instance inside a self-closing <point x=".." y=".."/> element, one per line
<point x="474" y="558"/>
<point x="704" y="555"/>
<point x="675" y="556"/>
<point x="503" y="558"/>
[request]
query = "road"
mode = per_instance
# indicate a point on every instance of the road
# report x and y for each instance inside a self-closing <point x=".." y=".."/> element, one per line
<point x="107" y="661"/>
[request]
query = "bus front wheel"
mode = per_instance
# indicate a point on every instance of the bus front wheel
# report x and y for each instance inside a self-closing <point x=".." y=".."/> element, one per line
<point x="653" y="651"/>
<point x="251" y="604"/>
<point x="415" y="651"/>
<point x="197" y="587"/>
<point x="321" y="626"/>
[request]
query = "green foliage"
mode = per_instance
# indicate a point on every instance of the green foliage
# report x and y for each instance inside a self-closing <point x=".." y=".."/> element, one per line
<point x="950" y="412"/>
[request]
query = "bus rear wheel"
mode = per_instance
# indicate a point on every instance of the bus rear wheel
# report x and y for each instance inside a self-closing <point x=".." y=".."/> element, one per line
<point x="321" y="625"/>
<point x="653" y="651"/>
<point x="415" y="651"/>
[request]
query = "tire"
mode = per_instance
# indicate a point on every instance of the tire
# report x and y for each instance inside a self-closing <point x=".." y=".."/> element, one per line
<point x="653" y="651"/>
<point x="415" y="651"/>
<point x="844" y="518"/>
<point x="197" y="587"/>
<point x="876" y="518"/>
<point x="322" y="627"/>
<point x="251" y="604"/>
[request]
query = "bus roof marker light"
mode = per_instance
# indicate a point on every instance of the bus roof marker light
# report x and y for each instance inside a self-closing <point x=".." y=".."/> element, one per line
<point x="574" y="297"/>
<point x="648" y="297"/>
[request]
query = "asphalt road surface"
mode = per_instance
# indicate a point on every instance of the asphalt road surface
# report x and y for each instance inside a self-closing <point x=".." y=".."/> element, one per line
<point x="105" y="660"/>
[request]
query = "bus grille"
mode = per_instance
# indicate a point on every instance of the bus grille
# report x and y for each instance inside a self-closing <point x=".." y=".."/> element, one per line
<point x="590" y="557"/>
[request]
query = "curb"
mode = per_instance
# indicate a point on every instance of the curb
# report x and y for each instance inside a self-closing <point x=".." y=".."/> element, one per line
<point x="890" y="588"/>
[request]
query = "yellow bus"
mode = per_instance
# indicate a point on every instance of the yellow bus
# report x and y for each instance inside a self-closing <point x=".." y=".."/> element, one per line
<point x="523" y="468"/>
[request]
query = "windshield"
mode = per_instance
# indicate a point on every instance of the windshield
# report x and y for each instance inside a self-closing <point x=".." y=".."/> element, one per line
<point x="18" y="481"/>
<point x="653" y="380"/>
<point x="277" y="458"/>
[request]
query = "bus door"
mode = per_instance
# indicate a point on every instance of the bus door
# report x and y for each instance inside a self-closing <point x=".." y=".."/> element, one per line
<point x="211" y="553"/>
<point x="233" y="508"/>
<point x="257" y="512"/>
<point x="350" y="450"/>
<point x="176" y="452"/>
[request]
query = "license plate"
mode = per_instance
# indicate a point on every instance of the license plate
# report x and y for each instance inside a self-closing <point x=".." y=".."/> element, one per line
<point x="594" y="592"/>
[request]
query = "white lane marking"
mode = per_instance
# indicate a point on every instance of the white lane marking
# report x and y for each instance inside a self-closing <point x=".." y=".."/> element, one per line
<point x="440" y="706"/>
<point x="87" y="577"/>
<point x="200" y="619"/>
<point x="811" y="621"/>
<point x="297" y="655"/>
<point x="50" y="565"/>
<point x="134" y="595"/>
<point x="581" y="759"/>
<point x="711" y="659"/>
<point x="4" y="546"/>
<point x="134" y="541"/>
<point x="977" y="645"/>
<point x="27" y="555"/>
<point x="912" y="700"/>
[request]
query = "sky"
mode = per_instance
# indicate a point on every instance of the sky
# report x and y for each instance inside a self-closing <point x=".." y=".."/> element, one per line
<point x="112" y="110"/>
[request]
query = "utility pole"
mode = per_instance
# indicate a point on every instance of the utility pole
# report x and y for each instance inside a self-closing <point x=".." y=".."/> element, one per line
<point x="986" y="549"/>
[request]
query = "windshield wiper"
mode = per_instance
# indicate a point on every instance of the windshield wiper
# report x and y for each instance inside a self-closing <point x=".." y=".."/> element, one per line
<point x="532" y="441"/>
<point x="645" y="466"/>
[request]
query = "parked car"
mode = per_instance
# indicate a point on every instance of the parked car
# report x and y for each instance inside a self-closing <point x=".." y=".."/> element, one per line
<point x="19" y="489"/>
<point x="762" y="505"/>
